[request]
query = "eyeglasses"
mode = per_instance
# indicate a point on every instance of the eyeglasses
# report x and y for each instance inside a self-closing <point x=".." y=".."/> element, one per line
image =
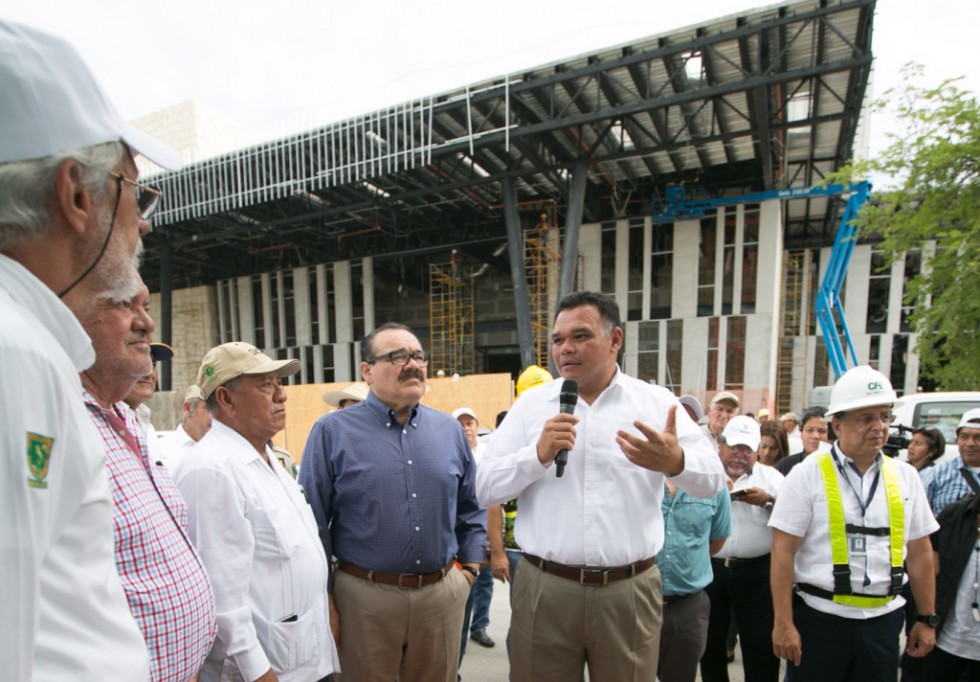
<point x="866" y="420"/>
<point x="147" y="198"/>
<point x="400" y="358"/>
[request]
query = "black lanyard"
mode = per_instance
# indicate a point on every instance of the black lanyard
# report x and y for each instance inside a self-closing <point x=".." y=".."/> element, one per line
<point x="864" y="504"/>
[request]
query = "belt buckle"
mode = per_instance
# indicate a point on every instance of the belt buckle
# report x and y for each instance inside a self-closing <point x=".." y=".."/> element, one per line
<point x="586" y="571"/>
<point x="418" y="579"/>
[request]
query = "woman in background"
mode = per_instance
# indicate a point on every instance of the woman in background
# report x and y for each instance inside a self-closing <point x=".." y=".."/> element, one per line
<point x="814" y="432"/>
<point x="774" y="445"/>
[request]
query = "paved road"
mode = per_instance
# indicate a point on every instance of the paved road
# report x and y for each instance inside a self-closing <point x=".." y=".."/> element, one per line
<point x="490" y="665"/>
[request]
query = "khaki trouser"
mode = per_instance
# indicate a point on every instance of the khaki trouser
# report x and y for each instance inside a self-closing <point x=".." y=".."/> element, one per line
<point x="410" y="635"/>
<point x="558" y="625"/>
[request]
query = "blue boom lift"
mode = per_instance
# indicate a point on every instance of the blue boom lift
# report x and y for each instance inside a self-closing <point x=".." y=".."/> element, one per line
<point x="828" y="306"/>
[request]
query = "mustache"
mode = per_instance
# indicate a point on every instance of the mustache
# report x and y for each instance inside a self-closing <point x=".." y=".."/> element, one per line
<point x="133" y="337"/>
<point x="412" y="373"/>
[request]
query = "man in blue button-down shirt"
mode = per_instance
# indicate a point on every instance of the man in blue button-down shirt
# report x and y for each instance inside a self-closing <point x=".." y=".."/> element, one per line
<point x="694" y="529"/>
<point x="391" y="483"/>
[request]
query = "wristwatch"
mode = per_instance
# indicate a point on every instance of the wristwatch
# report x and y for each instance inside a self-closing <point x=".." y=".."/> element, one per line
<point x="476" y="574"/>
<point x="930" y="619"/>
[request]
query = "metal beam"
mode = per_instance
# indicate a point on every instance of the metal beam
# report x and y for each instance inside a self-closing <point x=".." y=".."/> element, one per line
<point x="166" y="309"/>
<point x="515" y="250"/>
<point x="573" y="223"/>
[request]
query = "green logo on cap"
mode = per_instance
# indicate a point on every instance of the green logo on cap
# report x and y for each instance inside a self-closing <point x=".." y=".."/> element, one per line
<point x="209" y="371"/>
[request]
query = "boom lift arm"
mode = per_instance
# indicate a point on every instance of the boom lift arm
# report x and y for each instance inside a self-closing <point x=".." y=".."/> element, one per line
<point x="828" y="307"/>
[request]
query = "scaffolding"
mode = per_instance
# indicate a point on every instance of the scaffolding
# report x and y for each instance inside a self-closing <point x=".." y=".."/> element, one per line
<point x="794" y="324"/>
<point x="542" y="257"/>
<point x="451" y="315"/>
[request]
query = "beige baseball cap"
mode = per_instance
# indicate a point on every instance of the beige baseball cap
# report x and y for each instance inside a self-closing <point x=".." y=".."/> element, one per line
<point x="725" y="395"/>
<point x="231" y="360"/>
<point x="356" y="391"/>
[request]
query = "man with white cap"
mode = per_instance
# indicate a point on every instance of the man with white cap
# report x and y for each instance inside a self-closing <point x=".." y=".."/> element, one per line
<point x="478" y="604"/>
<point x="844" y="525"/>
<point x="949" y="481"/>
<point x="723" y="407"/>
<point x="71" y="217"/>
<point x="194" y="423"/>
<point x="741" y="566"/>
<point x="253" y="528"/>
<point x="351" y="395"/>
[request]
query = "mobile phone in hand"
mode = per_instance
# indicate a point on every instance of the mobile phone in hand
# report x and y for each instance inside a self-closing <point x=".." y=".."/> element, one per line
<point x="738" y="493"/>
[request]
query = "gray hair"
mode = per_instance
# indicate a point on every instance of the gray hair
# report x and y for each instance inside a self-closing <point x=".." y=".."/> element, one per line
<point x="27" y="189"/>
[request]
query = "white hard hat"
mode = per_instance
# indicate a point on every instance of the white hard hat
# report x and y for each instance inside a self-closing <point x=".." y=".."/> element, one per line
<point x="861" y="387"/>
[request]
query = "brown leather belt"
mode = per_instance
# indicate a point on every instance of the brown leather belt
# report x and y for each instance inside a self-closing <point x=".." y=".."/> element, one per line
<point x="587" y="575"/>
<point x="406" y="581"/>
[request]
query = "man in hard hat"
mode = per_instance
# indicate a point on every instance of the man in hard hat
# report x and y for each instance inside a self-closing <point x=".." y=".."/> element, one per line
<point x="844" y="525"/>
<point x="71" y="220"/>
<point x="590" y="591"/>
<point x="950" y="481"/>
<point x="723" y="407"/>
<point x="531" y="377"/>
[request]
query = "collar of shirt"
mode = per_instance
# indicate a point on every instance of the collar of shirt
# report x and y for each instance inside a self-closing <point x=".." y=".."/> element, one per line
<point x="245" y="454"/>
<point x="30" y="292"/>
<point x="387" y="415"/>
<point x="845" y="463"/>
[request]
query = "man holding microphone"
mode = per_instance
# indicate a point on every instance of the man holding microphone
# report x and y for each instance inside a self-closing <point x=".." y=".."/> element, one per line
<point x="590" y="590"/>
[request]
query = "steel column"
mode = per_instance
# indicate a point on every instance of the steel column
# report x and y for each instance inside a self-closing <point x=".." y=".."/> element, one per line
<point x="515" y="250"/>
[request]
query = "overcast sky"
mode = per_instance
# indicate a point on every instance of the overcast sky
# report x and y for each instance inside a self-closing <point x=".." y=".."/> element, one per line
<point x="279" y="66"/>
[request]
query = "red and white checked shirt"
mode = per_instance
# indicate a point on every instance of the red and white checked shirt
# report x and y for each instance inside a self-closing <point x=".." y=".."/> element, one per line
<point x="165" y="582"/>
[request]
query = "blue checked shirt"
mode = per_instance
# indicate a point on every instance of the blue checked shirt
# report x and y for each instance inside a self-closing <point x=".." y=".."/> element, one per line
<point x="947" y="484"/>
<point x="392" y="498"/>
<point x="689" y="523"/>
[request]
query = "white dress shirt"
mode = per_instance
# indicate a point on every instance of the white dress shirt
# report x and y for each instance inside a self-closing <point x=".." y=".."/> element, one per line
<point x="605" y="510"/>
<point x="258" y="539"/>
<point x="751" y="536"/>
<point x="65" y="616"/>
<point x="801" y="510"/>
<point x="172" y="448"/>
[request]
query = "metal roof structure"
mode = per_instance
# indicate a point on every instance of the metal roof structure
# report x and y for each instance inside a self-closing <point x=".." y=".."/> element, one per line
<point x="762" y="100"/>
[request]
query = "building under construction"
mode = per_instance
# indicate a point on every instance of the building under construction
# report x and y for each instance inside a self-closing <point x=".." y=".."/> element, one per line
<point x="467" y="214"/>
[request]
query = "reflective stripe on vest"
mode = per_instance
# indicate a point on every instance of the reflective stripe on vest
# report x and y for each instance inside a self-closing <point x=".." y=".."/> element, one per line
<point x="843" y="593"/>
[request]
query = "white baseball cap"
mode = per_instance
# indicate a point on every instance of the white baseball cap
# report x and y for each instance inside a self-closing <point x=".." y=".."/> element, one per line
<point x="742" y="430"/>
<point x="52" y="104"/>
<point x="461" y="411"/>
<point x="970" y="419"/>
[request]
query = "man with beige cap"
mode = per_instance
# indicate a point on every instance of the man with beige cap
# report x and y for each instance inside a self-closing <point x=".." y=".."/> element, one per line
<point x="723" y="407"/>
<point x="253" y="528"/>
<point x="351" y="395"/>
<point x="72" y="213"/>
<point x="194" y="423"/>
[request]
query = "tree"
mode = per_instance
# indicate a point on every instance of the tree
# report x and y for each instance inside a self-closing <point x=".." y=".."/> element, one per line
<point x="934" y="193"/>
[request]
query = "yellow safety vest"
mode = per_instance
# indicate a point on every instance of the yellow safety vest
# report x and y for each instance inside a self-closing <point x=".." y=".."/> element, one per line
<point x="843" y="593"/>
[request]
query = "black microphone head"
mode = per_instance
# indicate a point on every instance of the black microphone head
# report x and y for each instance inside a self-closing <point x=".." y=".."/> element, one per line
<point x="569" y="393"/>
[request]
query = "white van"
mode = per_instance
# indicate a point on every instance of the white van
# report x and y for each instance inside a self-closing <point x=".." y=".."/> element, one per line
<point x="942" y="410"/>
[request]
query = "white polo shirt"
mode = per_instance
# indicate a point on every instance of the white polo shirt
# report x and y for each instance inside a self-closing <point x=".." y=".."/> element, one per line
<point x="256" y="534"/>
<point x="801" y="510"/>
<point x="65" y="616"/>
<point x="751" y="536"/>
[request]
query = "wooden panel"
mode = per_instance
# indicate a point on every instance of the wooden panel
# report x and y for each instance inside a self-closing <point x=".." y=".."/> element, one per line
<point x="485" y="394"/>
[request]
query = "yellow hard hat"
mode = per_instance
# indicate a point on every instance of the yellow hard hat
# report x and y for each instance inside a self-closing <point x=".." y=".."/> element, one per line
<point x="531" y="377"/>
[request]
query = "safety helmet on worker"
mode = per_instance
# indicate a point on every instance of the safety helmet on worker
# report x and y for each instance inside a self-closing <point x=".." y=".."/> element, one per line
<point x="531" y="377"/>
<point x="861" y="387"/>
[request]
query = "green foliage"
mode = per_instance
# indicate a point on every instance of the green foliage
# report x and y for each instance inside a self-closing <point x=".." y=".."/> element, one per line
<point x="934" y="166"/>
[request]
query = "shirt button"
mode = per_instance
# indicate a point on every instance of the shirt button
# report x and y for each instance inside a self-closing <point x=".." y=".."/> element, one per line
<point x="409" y="461"/>
<point x="417" y="528"/>
<point x="418" y="561"/>
<point x="405" y="431"/>
<point x="414" y="495"/>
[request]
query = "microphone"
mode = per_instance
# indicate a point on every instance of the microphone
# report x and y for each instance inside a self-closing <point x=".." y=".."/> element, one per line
<point x="566" y="405"/>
